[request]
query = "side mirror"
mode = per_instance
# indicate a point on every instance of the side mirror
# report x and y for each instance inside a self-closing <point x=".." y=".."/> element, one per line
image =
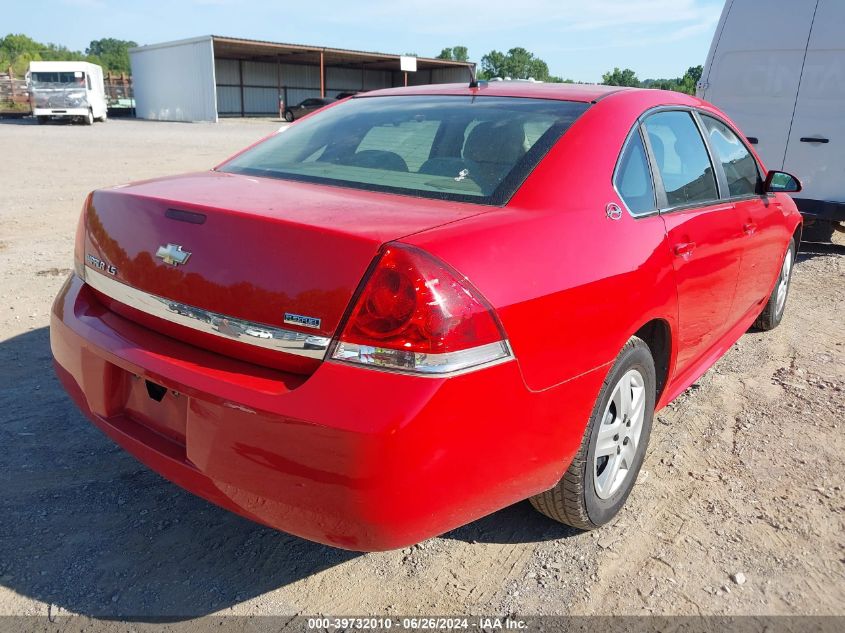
<point x="781" y="182"/>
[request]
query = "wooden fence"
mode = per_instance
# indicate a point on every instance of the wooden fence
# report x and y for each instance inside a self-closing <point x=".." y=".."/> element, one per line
<point x="14" y="94"/>
<point x="119" y="92"/>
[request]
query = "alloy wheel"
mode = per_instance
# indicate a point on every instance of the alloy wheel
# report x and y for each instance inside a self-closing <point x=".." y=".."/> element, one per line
<point x="619" y="434"/>
<point x="783" y="282"/>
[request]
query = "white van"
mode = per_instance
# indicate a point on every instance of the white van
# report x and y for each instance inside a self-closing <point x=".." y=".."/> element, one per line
<point x="67" y="89"/>
<point x="778" y="69"/>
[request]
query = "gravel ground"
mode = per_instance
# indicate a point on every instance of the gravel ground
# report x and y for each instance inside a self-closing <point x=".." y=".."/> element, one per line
<point x="739" y="508"/>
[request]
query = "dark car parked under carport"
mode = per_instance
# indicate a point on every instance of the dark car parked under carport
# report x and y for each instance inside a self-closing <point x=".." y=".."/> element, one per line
<point x="306" y="107"/>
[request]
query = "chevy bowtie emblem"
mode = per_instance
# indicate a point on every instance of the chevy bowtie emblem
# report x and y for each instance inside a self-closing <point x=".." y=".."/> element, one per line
<point x="172" y="254"/>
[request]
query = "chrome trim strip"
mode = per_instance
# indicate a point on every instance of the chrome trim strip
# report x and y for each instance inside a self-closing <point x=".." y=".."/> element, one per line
<point x="428" y="365"/>
<point x="247" y="332"/>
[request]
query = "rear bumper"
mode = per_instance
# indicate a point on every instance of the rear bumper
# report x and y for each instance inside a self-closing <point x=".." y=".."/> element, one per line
<point x="821" y="209"/>
<point x="349" y="457"/>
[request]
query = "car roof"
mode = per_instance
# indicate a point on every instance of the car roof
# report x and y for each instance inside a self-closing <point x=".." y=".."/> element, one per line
<point x="586" y="93"/>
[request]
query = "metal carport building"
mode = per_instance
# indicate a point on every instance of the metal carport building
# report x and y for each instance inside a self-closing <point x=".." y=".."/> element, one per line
<point x="203" y="78"/>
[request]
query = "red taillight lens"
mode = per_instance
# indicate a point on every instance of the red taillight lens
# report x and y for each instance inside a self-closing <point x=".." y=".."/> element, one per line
<point x="417" y="314"/>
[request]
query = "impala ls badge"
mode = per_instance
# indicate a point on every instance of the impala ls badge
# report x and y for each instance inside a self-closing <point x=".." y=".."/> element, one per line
<point x="300" y="319"/>
<point x="172" y="254"/>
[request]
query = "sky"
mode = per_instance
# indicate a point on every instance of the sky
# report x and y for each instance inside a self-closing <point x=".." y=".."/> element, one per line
<point x="578" y="40"/>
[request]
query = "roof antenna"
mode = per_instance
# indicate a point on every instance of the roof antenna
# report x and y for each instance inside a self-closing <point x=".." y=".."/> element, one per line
<point x="473" y="80"/>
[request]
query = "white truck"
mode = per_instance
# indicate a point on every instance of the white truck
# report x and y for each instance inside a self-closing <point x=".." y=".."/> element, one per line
<point x="778" y="69"/>
<point x="67" y="90"/>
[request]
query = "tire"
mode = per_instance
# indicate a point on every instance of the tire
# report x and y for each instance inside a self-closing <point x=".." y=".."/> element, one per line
<point x="773" y="311"/>
<point x="588" y="496"/>
<point x="89" y="118"/>
<point x="288" y="116"/>
<point x="105" y="117"/>
<point x="818" y="231"/>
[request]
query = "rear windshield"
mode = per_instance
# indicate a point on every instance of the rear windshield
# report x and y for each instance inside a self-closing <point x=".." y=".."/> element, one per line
<point x="473" y="149"/>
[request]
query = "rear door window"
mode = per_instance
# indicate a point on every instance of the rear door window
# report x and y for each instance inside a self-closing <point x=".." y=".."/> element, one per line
<point x="737" y="162"/>
<point x="681" y="159"/>
<point x="633" y="178"/>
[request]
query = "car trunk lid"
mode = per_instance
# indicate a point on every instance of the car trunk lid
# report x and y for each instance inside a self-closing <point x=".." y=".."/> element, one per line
<point x="236" y="252"/>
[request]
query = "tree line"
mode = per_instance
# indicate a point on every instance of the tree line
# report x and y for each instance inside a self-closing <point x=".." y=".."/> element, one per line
<point x="17" y="50"/>
<point x="519" y="63"/>
<point x="627" y="77"/>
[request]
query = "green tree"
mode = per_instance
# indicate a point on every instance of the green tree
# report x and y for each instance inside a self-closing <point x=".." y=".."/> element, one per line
<point x="113" y="53"/>
<point x="460" y="54"/>
<point x="517" y="63"/>
<point x="17" y="50"/>
<point x="17" y="44"/>
<point x="455" y="54"/>
<point x="686" y="84"/>
<point x="492" y="65"/>
<point x="695" y="72"/>
<point x="690" y="80"/>
<point x="617" y="77"/>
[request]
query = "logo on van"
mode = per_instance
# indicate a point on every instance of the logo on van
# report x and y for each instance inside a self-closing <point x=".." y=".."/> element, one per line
<point x="172" y="254"/>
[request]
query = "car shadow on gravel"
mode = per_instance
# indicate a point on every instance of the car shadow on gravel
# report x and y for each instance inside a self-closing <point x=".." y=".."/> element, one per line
<point x="808" y="250"/>
<point x="519" y="523"/>
<point x="86" y="528"/>
<point x="23" y="120"/>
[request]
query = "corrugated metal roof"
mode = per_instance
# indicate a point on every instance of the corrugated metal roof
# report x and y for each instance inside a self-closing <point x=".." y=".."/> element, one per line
<point x="244" y="48"/>
<point x="278" y="47"/>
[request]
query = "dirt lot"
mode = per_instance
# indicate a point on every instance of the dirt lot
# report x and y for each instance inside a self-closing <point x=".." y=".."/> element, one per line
<point x="744" y="475"/>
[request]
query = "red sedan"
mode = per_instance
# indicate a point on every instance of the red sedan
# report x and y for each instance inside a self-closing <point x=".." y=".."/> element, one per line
<point x="418" y="306"/>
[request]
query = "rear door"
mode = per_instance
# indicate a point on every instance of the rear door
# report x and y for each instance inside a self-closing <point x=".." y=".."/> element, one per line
<point x="754" y="69"/>
<point x="816" y="152"/>
<point x="761" y="215"/>
<point x="704" y="232"/>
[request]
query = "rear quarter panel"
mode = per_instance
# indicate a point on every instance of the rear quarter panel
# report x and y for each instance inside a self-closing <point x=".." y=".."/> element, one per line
<point x="569" y="284"/>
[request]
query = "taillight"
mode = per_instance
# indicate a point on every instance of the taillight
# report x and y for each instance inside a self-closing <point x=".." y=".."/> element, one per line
<point x="416" y="314"/>
<point x="79" y="243"/>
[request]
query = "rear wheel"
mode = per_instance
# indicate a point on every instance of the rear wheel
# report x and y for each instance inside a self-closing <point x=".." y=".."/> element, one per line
<point x="772" y="314"/>
<point x="600" y="478"/>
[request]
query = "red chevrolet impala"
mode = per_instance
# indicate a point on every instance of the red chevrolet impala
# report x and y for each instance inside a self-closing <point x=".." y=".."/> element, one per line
<point x="418" y="306"/>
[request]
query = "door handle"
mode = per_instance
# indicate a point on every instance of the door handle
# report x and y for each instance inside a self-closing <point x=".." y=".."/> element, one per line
<point x="814" y="139"/>
<point x="749" y="228"/>
<point x="684" y="249"/>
